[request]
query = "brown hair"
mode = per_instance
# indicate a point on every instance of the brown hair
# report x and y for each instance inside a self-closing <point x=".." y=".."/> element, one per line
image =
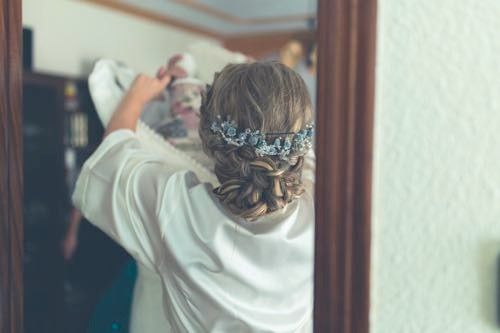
<point x="265" y="96"/>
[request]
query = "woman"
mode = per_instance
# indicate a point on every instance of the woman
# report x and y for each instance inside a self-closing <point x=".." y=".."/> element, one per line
<point x="237" y="258"/>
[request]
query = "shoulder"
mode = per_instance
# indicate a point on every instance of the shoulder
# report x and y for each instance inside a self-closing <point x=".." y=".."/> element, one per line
<point x="182" y="188"/>
<point x="185" y="179"/>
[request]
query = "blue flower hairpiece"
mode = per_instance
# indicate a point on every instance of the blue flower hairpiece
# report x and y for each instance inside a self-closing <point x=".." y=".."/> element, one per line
<point x="284" y="144"/>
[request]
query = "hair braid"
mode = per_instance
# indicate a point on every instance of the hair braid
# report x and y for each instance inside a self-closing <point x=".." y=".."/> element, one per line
<point x="264" y="96"/>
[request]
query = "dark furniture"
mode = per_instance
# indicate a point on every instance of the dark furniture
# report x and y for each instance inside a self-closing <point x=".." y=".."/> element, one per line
<point x="59" y="296"/>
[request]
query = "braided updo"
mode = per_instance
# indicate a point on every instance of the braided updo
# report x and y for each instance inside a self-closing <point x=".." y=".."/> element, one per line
<point x="265" y="96"/>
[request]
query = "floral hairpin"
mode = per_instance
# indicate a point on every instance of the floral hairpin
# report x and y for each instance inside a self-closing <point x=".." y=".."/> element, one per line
<point x="284" y="144"/>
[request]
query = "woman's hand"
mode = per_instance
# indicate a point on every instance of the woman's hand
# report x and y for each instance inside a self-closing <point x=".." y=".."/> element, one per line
<point x="143" y="90"/>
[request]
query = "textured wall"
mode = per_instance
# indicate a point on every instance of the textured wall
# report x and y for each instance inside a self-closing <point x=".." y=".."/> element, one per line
<point x="437" y="167"/>
<point x="69" y="35"/>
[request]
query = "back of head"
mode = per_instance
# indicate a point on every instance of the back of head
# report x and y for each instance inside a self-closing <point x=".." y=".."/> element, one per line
<point x="266" y="97"/>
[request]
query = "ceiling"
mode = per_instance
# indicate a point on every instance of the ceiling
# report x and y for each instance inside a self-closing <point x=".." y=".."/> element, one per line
<point x="233" y="17"/>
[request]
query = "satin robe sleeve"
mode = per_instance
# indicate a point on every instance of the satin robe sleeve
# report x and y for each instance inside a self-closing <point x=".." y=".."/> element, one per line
<point x="120" y="190"/>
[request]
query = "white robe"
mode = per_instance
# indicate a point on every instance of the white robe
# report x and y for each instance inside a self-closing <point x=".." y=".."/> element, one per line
<point x="201" y="269"/>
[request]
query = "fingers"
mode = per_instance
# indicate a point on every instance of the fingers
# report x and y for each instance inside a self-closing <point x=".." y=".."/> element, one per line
<point x="174" y="60"/>
<point x="176" y="72"/>
<point x="170" y="71"/>
<point x="161" y="72"/>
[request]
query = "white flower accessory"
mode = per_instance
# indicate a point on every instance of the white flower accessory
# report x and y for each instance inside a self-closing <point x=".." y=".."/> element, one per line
<point x="284" y="144"/>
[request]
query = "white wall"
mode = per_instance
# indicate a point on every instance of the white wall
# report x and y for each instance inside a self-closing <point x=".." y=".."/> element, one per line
<point x="70" y="34"/>
<point x="436" y="193"/>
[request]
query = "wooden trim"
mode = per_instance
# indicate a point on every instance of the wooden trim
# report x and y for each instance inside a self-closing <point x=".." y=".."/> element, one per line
<point x="163" y="19"/>
<point x="346" y="85"/>
<point x="11" y="167"/>
<point x="261" y="45"/>
<point x="210" y="10"/>
<point x="170" y="21"/>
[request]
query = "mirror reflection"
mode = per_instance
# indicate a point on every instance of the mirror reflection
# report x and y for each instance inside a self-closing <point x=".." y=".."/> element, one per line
<point x="168" y="165"/>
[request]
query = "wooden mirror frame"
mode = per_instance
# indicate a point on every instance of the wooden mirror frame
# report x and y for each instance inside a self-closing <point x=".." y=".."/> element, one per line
<point x="11" y="168"/>
<point x="346" y="89"/>
<point x="346" y="86"/>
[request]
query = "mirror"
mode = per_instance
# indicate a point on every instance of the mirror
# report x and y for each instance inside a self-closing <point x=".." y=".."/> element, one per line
<point x="80" y="58"/>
